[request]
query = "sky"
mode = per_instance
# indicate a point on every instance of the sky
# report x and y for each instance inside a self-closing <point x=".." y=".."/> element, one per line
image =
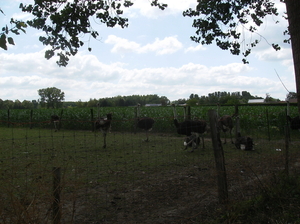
<point x="154" y="55"/>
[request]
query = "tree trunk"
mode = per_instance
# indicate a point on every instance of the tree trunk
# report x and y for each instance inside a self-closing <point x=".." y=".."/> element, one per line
<point x="293" y="9"/>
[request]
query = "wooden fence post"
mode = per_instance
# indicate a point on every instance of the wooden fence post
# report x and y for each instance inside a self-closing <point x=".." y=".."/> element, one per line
<point x="268" y="124"/>
<point x="31" y="115"/>
<point x="60" y="119"/>
<point x="219" y="158"/>
<point x="188" y="115"/>
<point x="135" y="119"/>
<point x="287" y="124"/>
<point x="218" y="109"/>
<point x="92" y="120"/>
<point x="287" y="149"/>
<point x="8" y="118"/>
<point x="237" y="121"/>
<point x="56" y="195"/>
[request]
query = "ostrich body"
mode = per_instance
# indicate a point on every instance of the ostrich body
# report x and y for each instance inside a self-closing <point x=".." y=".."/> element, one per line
<point x="55" y="120"/>
<point x="294" y="122"/>
<point x="144" y="123"/>
<point x="244" y="143"/>
<point x="103" y="124"/>
<point x="192" y="129"/>
<point x="225" y="123"/>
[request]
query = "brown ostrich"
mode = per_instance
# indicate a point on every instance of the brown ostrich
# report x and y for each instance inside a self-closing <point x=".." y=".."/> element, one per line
<point x="103" y="124"/>
<point x="225" y="123"/>
<point x="144" y="123"/>
<point x="55" y="120"/>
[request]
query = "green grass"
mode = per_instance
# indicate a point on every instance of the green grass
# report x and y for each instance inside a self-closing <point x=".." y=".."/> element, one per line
<point x="129" y="175"/>
<point x="29" y="155"/>
<point x="278" y="202"/>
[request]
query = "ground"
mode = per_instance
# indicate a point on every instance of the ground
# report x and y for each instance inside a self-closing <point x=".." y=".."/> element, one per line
<point x="185" y="194"/>
<point x="132" y="181"/>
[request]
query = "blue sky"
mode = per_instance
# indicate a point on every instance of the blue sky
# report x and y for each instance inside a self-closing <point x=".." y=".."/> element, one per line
<point x="154" y="55"/>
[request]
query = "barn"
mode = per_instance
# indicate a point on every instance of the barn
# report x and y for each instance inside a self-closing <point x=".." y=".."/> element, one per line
<point x="256" y="101"/>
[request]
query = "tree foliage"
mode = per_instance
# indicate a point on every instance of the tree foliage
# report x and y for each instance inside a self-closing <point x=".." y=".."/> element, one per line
<point x="223" y="21"/>
<point x="223" y="98"/>
<point x="15" y="27"/>
<point x="220" y="21"/>
<point x="63" y="22"/>
<point x="291" y="95"/>
<point x="121" y="101"/>
<point x="52" y="97"/>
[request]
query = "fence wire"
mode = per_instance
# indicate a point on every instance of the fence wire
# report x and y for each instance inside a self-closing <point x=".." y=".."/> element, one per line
<point x="129" y="181"/>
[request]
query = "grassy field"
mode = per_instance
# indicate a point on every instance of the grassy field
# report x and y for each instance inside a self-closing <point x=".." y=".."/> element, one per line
<point x="130" y="181"/>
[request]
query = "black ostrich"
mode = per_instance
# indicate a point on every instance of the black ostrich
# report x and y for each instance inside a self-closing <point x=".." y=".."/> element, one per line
<point x="244" y="143"/>
<point x="144" y="123"/>
<point x="191" y="128"/>
<point x="103" y="124"/>
<point x="55" y="121"/>
<point x="294" y="122"/>
<point x="225" y="123"/>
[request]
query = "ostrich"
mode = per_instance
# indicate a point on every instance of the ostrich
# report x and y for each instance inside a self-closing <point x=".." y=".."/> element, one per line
<point x="192" y="129"/>
<point x="294" y="122"/>
<point x="144" y="123"/>
<point x="103" y="124"/>
<point x="225" y="123"/>
<point x="244" y="143"/>
<point x="55" y="120"/>
<point x="194" y="140"/>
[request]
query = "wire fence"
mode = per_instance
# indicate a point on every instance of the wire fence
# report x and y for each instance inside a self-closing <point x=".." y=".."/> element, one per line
<point x="67" y="176"/>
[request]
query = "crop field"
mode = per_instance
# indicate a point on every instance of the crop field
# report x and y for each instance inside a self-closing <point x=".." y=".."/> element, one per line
<point x="130" y="181"/>
<point x="252" y="118"/>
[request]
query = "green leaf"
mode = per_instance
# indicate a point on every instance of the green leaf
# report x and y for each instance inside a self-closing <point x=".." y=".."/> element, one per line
<point x="3" y="42"/>
<point x="11" y="40"/>
<point x="49" y="54"/>
<point x="276" y="47"/>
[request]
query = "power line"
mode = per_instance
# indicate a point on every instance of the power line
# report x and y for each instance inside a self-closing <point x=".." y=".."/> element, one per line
<point x="281" y="81"/>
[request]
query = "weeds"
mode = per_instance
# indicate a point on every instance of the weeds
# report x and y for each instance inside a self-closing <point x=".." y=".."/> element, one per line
<point x="279" y="202"/>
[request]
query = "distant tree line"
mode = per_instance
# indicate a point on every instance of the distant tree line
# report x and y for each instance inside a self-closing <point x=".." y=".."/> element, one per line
<point x="17" y="104"/>
<point x="123" y="101"/>
<point x="54" y="98"/>
<point x="224" y="98"/>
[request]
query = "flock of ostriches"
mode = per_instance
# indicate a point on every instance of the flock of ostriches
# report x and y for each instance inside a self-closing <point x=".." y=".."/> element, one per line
<point x="191" y="129"/>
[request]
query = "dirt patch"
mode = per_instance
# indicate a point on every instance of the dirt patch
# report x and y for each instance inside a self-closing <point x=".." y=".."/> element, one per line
<point x="185" y="195"/>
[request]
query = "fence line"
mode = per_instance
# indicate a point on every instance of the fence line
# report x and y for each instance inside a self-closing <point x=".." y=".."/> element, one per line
<point x="130" y="180"/>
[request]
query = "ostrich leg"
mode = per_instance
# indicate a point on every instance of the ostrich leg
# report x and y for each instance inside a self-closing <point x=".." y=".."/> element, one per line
<point x="104" y="138"/>
<point x="147" y="138"/>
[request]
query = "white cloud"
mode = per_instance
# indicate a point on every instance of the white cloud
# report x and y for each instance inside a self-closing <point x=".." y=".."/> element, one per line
<point x="271" y="55"/>
<point x="86" y="77"/>
<point x="122" y="46"/>
<point x="143" y="7"/>
<point x="199" y="47"/>
<point x="155" y="59"/>
<point x="168" y="45"/>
